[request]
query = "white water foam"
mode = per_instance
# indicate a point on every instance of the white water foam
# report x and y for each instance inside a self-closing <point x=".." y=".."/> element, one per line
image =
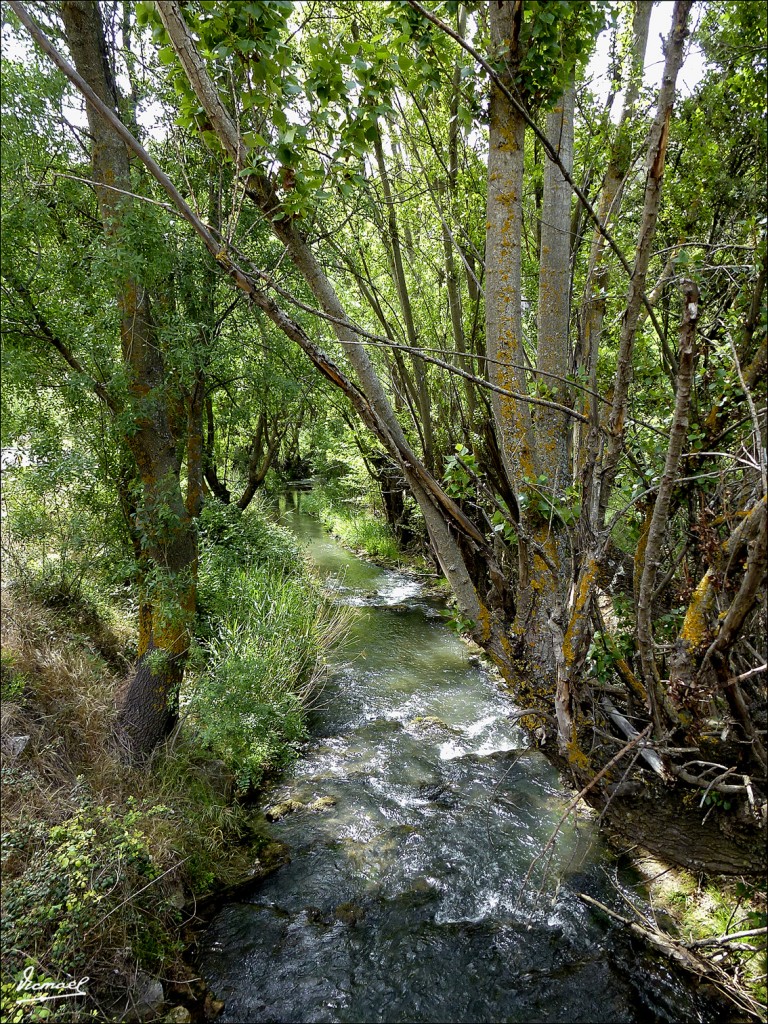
<point x="451" y="750"/>
<point x="477" y="727"/>
<point x="398" y="589"/>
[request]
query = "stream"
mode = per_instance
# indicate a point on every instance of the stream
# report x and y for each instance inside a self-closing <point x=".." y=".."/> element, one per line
<point x="405" y="898"/>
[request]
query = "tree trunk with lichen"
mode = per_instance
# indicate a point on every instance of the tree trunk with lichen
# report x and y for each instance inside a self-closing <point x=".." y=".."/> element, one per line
<point x="168" y="561"/>
<point x="534" y="452"/>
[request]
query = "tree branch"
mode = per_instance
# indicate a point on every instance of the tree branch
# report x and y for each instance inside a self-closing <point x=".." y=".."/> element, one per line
<point x="57" y="343"/>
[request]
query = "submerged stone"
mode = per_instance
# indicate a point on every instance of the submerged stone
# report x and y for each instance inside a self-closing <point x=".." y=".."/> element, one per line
<point x="323" y="803"/>
<point x="213" y="1007"/>
<point x="289" y="806"/>
<point x="278" y="811"/>
<point x="431" y="723"/>
<point x="349" y="913"/>
<point x="178" y="1015"/>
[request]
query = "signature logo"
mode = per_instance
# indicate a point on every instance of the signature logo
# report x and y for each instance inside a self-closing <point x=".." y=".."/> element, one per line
<point x="44" y="991"/>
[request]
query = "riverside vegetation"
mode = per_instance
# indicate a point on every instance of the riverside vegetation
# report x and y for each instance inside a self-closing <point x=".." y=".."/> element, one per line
<point x="412" y="248"/>
<point x="103" y="863"/>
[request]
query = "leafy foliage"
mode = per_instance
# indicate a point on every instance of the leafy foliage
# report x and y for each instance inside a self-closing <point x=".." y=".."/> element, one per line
<point x="263" y="626"/>
<point x="56" y="909"/>
<point x="368" y="128"/>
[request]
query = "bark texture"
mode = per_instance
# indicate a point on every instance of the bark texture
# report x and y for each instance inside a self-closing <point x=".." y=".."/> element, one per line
<point x="169" y="546"/>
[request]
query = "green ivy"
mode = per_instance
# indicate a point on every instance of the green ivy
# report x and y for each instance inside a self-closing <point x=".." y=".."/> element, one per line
<point x="62" y="907"/>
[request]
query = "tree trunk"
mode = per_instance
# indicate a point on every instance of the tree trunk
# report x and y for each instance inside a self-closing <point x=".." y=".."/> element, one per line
<point x="260" y="461"/>
<point x="553" y="429"/>
<point x="169" y="563"/>
<point x="597" y="279"/>
<point x="537" y="629"/>
<point x="395" y="259"/>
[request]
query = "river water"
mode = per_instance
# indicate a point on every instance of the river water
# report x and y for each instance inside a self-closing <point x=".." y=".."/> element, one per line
<point x="405" y="899"/>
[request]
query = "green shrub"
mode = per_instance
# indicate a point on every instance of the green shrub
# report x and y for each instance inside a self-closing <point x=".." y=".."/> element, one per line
<point x="62" y="535"/>
<point x="263" y="625"/>
<point x="12" y="681"/>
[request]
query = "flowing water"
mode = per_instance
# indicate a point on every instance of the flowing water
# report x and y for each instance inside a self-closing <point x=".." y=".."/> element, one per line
<point x="404" y="899"/>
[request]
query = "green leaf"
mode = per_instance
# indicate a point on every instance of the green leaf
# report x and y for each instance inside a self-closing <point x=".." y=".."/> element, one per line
<point x="254" y="140"/>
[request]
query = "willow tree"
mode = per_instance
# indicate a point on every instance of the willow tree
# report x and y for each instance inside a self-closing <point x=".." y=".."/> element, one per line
<point x="528" y="551"/>
<point x="153" y="434"/>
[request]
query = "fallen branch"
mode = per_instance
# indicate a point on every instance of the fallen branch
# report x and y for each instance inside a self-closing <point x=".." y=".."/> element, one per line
<point x="721" y="940"/>
<point x="685" y="957"/>
<point x="649" y="756"/>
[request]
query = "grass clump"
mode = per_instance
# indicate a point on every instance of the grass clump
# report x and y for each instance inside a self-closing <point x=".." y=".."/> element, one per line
<point x="264" y="627"/>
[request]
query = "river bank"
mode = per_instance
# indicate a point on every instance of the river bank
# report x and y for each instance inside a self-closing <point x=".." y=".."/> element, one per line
<point x="448" y="741"/>
<point x="104" y="861"/>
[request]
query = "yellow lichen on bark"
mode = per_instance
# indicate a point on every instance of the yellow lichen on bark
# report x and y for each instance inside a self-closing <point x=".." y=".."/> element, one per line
<point x="695" y="631"/>
<point x="484" y="621"/>
<point x="582" y="598"/>
<point x="145" y="628"/>
<point x="576" y="755"/>
<point x="631" y="680"/>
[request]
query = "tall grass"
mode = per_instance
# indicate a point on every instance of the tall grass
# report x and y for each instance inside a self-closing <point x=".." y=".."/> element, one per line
<point x="264" y="629"/>
<point x="370" y="535"/>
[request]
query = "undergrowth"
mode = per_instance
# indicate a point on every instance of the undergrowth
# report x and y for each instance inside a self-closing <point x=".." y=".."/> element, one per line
<point x="101" y="861"/>
<point x="712" y="916"/>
